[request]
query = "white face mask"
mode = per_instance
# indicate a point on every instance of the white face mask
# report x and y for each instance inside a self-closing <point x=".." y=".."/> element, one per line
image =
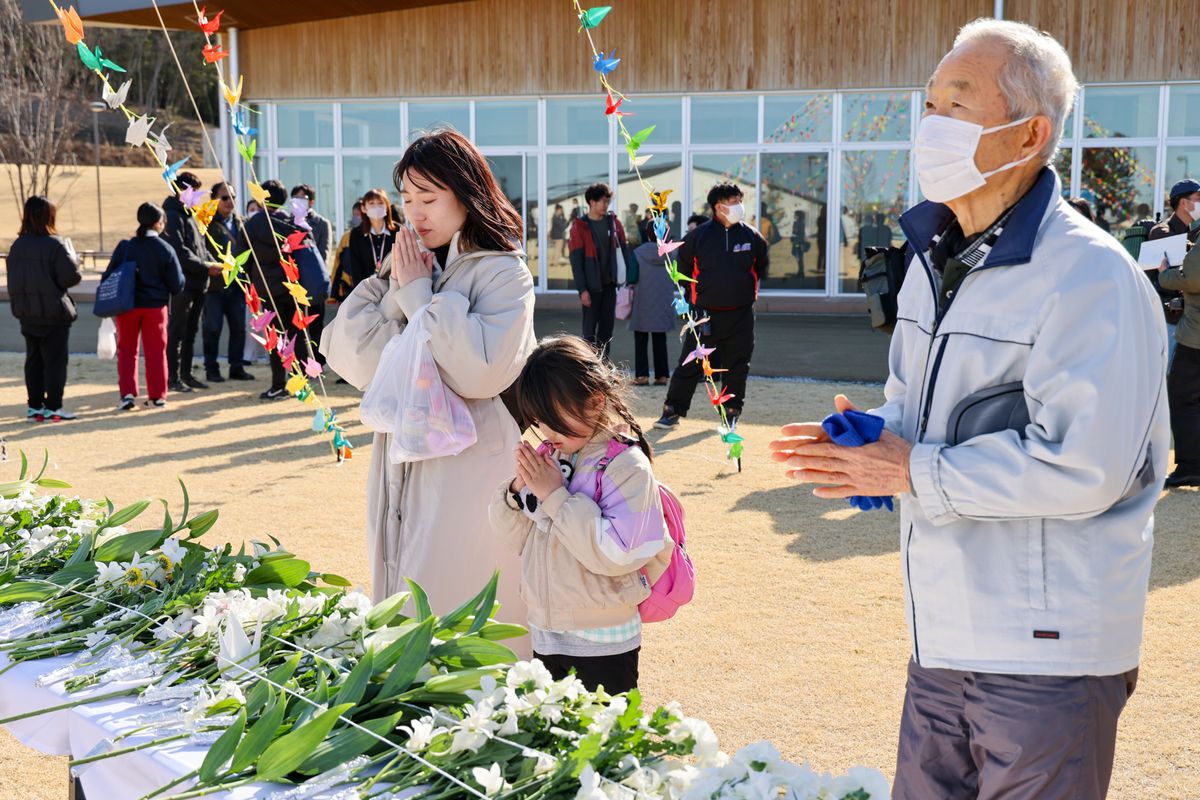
<point x="945" y="156"/>
<point x="376" y="212"/>
<point x="300" y="205"/>
<point x="735" y="213"/>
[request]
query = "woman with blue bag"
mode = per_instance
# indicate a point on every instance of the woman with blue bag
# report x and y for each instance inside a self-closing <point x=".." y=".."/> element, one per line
<point x="41" y="267"/>
<point x="157" y="276"/>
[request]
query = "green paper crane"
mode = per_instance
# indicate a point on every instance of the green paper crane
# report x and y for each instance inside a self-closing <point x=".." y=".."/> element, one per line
<point x="731" y="437"/>
<point x="675" y="274"/>
<point x="96" y="61"/>
<point x="593" y="17"/>
<point x="249" y="150"/>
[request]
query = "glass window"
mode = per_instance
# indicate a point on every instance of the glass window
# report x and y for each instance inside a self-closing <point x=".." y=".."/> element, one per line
<point x="1062" y="165"/>
<point x="257" y="118"/>
<point x="567" y="177"/>
<point x="506" y="123"/>
<point x="709" y="170"/>
<point x="1120" y="111"/>
<point x="532" y="218"/>
<point x="664" y="113"/>
<point x="424" y="117"/>
<point x="511" y="174"/>
<point x="798" y="118"/>
<point x="360" y="173"/>
<point x="305" y="125"/>
<point x="1184" y="118"/>
<point x="877" y="117"/>
<point x="578" y="122"/>
<point x="716" y="120"/>
<point x="795" y="189"/>
<point x="874" y="194"/>
<point x="317" y="172"/>
<point x="1118" y="182"/>
<point x="1069" y="128"/>
<point x="1182" y="162"/>
<point x="371" y="125"/>
<point x="664" y="172"/>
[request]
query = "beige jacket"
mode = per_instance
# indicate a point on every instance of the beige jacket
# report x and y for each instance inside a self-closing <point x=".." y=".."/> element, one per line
<point x="428" y="520"/>
<point x="585" y="568"/>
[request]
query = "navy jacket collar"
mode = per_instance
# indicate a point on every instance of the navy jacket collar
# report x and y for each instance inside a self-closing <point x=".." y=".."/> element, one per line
<point x="1015" y="245"/>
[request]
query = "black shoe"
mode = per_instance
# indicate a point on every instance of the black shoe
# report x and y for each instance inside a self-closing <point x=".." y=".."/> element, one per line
<point x="1178" y="479"/>
<point x="179" y="387"/>
<point x="273" y="394"/>
<point x="194" y="382"/>
<point x="240" y="375"/>
<point x="127" y="403"/>
<point x="214" y="376"/>
<point x="341" y="381"/>
<point x="668" y="420"/>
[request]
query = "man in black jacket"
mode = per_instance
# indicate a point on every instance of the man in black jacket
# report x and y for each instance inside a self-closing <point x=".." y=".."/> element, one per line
<point x="1185" y="209"/>
<point x="183" y="234"/>
<point x="267" y="273"/>
<point x="727" y="259"/>
<point x="224" y="304"/>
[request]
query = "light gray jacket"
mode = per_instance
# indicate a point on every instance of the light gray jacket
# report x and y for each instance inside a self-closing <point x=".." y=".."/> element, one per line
<point x="1025" y="547"/>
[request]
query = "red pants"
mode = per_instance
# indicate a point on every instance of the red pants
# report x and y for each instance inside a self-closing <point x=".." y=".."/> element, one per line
<point x="151" y="325"/>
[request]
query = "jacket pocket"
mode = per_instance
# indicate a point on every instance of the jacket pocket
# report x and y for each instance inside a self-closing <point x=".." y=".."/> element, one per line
<point x="1037" y="564"/>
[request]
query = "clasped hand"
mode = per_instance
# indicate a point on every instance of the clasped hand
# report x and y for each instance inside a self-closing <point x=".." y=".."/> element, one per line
<point x="539" y="472"/>
<point x="879" y="469"/>
<point x="409" y="261"/>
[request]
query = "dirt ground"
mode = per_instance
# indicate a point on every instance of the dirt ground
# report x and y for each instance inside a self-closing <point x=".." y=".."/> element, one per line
<point x="797" y="633"/>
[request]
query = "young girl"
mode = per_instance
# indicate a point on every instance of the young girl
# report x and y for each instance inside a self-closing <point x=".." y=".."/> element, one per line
<point x="585" y="514"/>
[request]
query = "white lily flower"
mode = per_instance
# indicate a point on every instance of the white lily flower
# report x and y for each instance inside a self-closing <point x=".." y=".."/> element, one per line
<point x="421" y="733"/>
<point x="589" y="785"/>
<point x="236" y="652"/>
<point x="109" y="573"/>
<point x="491" y="779"/>
<point x="869" y="780"/>
<point x="474" y="730"/>
<point x="488" y="692"/>
<point x="239" y="572"/>
<point x="528" y="672"/>
<point x="173" y="550"/>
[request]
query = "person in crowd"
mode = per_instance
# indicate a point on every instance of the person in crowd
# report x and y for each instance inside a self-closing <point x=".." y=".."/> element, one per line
<point x="370" y="244"/>
<point x="799" y="237"/>
<point x="304" y="198"/>
<point x="341" y="282"/>
<point x="583" y="549"/>
<point x="479" y="317"/>
<point x="183" y="233"/>
<point x="596" y="241"/>
<point x="1184" y="200"/>
<point x="1027" y="513"/>
<point x="558" y="230"/>
<point x="1183" y="377"/>
<point x="675" y="221"/>
<point x="653" y="314"/>
<point x="727" y="259"/>
<point x="42" y="266"/>
<point x="159" y="277"/>
<point x="225" y="306"/>
<point x="631" y="222"/>
<point x="695" y="221"/>
<point x="252" y="208"/>
<point x="258" y="234"/>
<point x="1083" y="207"/>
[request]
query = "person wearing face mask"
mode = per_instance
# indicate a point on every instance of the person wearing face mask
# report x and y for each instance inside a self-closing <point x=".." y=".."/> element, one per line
<point x="183" y="233"/>
<point x="370" y="244"/>
<point x="304" y="199"/>
<point x="1026" y="431"/>
<point x="460" y="266"/>
<point x="727" y="259"/>
<point x="1185" y="209"/>
<point x="224" y="304"/>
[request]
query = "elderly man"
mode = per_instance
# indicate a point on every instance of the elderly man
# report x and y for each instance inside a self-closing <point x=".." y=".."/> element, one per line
<point x="1026" y="433"/>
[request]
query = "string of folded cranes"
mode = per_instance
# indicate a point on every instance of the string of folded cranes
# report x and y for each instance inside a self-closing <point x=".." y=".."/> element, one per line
<point x="233" y="268"/>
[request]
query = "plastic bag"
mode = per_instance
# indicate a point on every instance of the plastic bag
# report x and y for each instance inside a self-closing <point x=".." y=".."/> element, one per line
<point x="624" y="302"/>
<point x="408" y="399"/>
<point x="106" y="344"/>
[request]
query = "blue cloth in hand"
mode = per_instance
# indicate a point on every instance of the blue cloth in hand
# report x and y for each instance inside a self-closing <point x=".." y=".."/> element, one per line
<point x="854" y="429"/>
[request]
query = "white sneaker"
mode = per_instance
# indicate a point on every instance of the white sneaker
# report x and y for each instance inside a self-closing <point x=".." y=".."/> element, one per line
<point x="127" y="403"/>
<point x="60" y="415"/>
<point x="35" y="414"/>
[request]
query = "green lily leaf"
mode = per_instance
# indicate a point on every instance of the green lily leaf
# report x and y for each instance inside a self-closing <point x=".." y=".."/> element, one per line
<point x="348" y="744"/>
<point x="126" y="514"/>
<point x="356" y="682"/>
<point x="84" y="571"/>
<point x="52" y="483"/>
<point x="25" y="591"/>
<point x="222" y="749"/>
<point x="414" y="656"/>
<point x="420" y="599"/>
<point x="288" y="571"/>
<point x="288" y="752"/>
<point x="472" y="651"/>
<point x="123" y="547"/>
<point x="459" y="614"/>
<point x="260" y="734"/>
<point x="258" y="696"/>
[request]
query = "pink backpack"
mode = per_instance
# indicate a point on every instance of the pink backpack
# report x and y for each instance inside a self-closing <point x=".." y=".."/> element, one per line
<point x="675" y="587"/>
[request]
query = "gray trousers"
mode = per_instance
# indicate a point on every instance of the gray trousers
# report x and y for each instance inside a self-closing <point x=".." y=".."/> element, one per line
<point x="980" y="736"/>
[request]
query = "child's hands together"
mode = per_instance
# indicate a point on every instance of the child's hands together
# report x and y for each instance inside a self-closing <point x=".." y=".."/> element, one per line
<point x="539" y="472"/>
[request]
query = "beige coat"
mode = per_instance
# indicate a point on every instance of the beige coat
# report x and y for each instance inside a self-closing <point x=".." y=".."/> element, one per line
<point x="428" y="520"/>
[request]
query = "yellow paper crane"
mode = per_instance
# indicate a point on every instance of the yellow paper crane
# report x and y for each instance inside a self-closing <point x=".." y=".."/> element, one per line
<point x="233" y="96"/>
<point x="258" y="193"/>
<point x="658" y="200"/>
<point x="298" y="292"/>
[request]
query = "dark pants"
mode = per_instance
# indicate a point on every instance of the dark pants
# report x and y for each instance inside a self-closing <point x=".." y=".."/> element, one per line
<point x="46" y="366"/>
<point x="732" y="334"/>
<point x="287" y="307"/>
<point x="599" y="318"/>
<point x="316" y="328"/>
<point x="1183" y="392"/>
<point x="641" y="363"/>
<point x="980" y="736"/>
<point x="226" y="306"/>
<point x="184" y="324"/>
<point x="617" y="673"/>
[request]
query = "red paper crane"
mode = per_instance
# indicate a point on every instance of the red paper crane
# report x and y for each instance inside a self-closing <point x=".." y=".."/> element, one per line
<point x="252" y="300"/>
<point x="213" y="53"/>
<point x="291" y="270"/>
<point x="301" y="321"/>
<point x="719" y="400"/>
<point x="294" y="241"/>
<point x="612" y="107"/>
<point x="207" y="25"/>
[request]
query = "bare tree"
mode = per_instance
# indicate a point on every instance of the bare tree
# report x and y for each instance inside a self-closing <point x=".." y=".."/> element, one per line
<point x="40" y="106"/>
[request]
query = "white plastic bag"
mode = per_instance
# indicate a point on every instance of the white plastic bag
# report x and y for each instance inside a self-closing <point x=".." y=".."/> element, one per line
<point x="408" y="399"/>
<point x="106" y="345"/>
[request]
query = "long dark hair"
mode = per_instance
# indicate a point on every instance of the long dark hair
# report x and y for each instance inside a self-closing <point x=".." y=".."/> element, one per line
<point x="148" y="215"/>
<point x="39" y="217"/>
<point x="449" y="161"/>
<point x="562" y="377"/>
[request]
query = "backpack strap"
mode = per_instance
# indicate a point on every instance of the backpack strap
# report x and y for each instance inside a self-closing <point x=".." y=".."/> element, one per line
<point x="615" y="448"/>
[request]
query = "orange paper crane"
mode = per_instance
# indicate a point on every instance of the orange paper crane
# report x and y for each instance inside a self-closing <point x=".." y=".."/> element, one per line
<point x="209" y="26"/>
<point x="72" y="24"/>
<point x="213" y="53"/>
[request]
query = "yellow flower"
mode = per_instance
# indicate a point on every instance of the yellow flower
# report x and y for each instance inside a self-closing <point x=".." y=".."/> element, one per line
<point x="134" y="577"/>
